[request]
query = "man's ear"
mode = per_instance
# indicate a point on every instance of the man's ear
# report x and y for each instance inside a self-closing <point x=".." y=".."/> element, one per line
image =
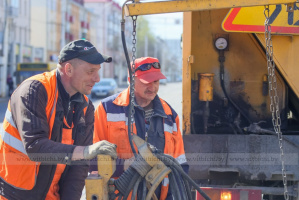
<point x="68" y="69"/>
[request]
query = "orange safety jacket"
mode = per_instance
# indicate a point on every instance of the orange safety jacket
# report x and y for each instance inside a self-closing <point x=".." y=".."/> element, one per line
<point x="16" y="168"/>
<point x="111" y="123"/>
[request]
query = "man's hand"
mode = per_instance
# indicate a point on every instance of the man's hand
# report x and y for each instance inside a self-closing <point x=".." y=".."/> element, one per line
<point x="101" y="147"/>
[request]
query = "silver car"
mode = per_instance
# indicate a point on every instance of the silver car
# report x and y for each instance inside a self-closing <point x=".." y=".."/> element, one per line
<point x="106" y="87"/>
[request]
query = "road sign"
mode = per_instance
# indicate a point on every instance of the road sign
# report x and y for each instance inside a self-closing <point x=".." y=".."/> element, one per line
<point x="252" y="19"/>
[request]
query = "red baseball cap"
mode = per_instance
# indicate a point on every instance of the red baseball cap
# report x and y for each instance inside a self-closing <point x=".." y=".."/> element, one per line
<point x="147" y="69"/>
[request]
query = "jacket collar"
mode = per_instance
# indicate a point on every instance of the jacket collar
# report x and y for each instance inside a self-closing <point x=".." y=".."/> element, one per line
<point x="124" y="97"/>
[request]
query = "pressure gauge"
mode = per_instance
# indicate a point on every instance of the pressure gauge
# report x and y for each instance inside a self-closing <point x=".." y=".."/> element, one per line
<point x="221" y="43"/>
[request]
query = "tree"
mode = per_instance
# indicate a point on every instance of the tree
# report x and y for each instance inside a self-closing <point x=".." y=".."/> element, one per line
<point x="145" y="37"/>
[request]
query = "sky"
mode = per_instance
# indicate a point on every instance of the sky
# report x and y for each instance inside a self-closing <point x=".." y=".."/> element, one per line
<point x="166" y="26"/>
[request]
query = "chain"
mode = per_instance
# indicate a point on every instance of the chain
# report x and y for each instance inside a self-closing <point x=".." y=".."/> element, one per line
<point x="132" y="82"/>
<point x="274" y="105"/>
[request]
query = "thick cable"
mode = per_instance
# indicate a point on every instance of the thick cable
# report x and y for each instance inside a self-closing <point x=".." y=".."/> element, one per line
<point x="188" y="189"/>
<point x="179" y="182"/>
<point x="185" y="183"/>
<point x="131" y="185"/>
<point x="143" y="189"/>
<point x="175" y="189"/>
<point x="124" y="180"/>
<point x="167" y="161"/>
<point x="135" y="188"/>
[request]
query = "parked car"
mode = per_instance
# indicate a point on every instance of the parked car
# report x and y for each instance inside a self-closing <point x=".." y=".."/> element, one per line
<point x="163" y="81"/>
<point x="106" y="87"/>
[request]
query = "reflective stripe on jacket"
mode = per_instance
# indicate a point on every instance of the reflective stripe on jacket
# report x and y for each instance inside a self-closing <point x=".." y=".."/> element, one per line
<point x="111" y="123"/>
<point x="16" y="169"/>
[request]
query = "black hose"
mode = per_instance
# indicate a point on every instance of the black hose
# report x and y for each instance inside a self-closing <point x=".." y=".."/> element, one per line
<point x="144" y="189"/>
<point x="135" y="188"/>
<point x="131" y="107"/>
<point x="175" y="188"/>
<point x="169" y="162"/>
<point x="188" y="189"/>
<point x="124" y="180"/>
<point x="187" y="186"/>
<point x="179" y="182"/>
<point x="176" y="174"/>
<point x="221" y="60"/>
<point x="131" y="185"/>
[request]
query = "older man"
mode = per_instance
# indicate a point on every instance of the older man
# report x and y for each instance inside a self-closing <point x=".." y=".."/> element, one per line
<point x="155" y="120"/>
<point x="48" y="128"/>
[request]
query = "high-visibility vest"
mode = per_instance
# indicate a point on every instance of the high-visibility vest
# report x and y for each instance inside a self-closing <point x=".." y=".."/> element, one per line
<point x="53" y="193"/>
<point x="113" y="126"/>
<point x="16" y="168"/>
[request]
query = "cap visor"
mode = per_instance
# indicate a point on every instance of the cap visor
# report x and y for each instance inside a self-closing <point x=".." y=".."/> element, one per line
<point x="95" y="58"/>
<point x="151" y="77"/>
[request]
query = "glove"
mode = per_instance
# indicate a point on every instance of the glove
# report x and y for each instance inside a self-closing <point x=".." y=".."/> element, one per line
<point x="101" y="147"/>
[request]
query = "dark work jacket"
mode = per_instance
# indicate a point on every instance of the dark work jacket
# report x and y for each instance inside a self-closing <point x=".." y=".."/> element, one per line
<point x="28" y="104"/>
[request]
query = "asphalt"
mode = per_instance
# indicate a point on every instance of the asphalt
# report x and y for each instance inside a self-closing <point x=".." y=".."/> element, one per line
<point x="4" y="99"/>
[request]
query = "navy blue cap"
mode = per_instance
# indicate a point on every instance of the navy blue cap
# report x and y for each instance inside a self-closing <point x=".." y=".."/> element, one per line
<point x="83" y="50"/>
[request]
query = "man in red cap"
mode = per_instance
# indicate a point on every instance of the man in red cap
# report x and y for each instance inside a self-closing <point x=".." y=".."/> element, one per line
<point x="155" y="121"/>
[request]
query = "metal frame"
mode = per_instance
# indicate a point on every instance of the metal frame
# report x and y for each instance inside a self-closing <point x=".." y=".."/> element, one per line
<point x="146" y="8"/>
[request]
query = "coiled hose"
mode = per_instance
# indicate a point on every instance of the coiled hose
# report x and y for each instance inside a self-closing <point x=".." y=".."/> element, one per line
<point x="179" y="182"/>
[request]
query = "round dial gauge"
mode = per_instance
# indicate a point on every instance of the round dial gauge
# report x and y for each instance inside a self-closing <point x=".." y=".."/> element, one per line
<point x="221" y="43"/>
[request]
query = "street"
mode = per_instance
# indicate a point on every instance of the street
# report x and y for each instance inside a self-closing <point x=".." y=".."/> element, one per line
<point x="171" y="93"/>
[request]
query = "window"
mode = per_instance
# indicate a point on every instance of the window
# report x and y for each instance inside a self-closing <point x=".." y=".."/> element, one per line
<point x="15" y="3"/>
<point x="53" y="6"/>
<point x="25" y="7"/>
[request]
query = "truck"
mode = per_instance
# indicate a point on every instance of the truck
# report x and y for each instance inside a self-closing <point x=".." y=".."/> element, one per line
<point x="240" y="95"/>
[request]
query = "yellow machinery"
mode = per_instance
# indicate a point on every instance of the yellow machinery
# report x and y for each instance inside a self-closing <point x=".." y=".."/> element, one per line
<point x="228" y="130"/>
<point x="97" y="182"/>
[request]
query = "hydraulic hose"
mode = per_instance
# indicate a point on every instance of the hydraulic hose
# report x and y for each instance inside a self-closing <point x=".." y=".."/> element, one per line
<point x="188" y="189"/>
<point x="174" y="187"/>
<point x="136" y="188"/>
<point x="124" y="180"/>
<point x="143" y="189"/>
<point x="221" y="60"/>
<point x="179" y="182"/>
<point x="131" y="185"/>
<point x="169" y="162"/>
<point x="131" y="107"/>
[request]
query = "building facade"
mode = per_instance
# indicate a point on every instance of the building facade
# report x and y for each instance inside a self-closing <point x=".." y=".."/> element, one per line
<point x="59" y="22"/>
<point x="15" y="43"/>
<point x="108" y="29"/>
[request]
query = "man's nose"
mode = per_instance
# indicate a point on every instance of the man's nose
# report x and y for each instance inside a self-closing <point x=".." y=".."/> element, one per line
<point x="96" y="77"/>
